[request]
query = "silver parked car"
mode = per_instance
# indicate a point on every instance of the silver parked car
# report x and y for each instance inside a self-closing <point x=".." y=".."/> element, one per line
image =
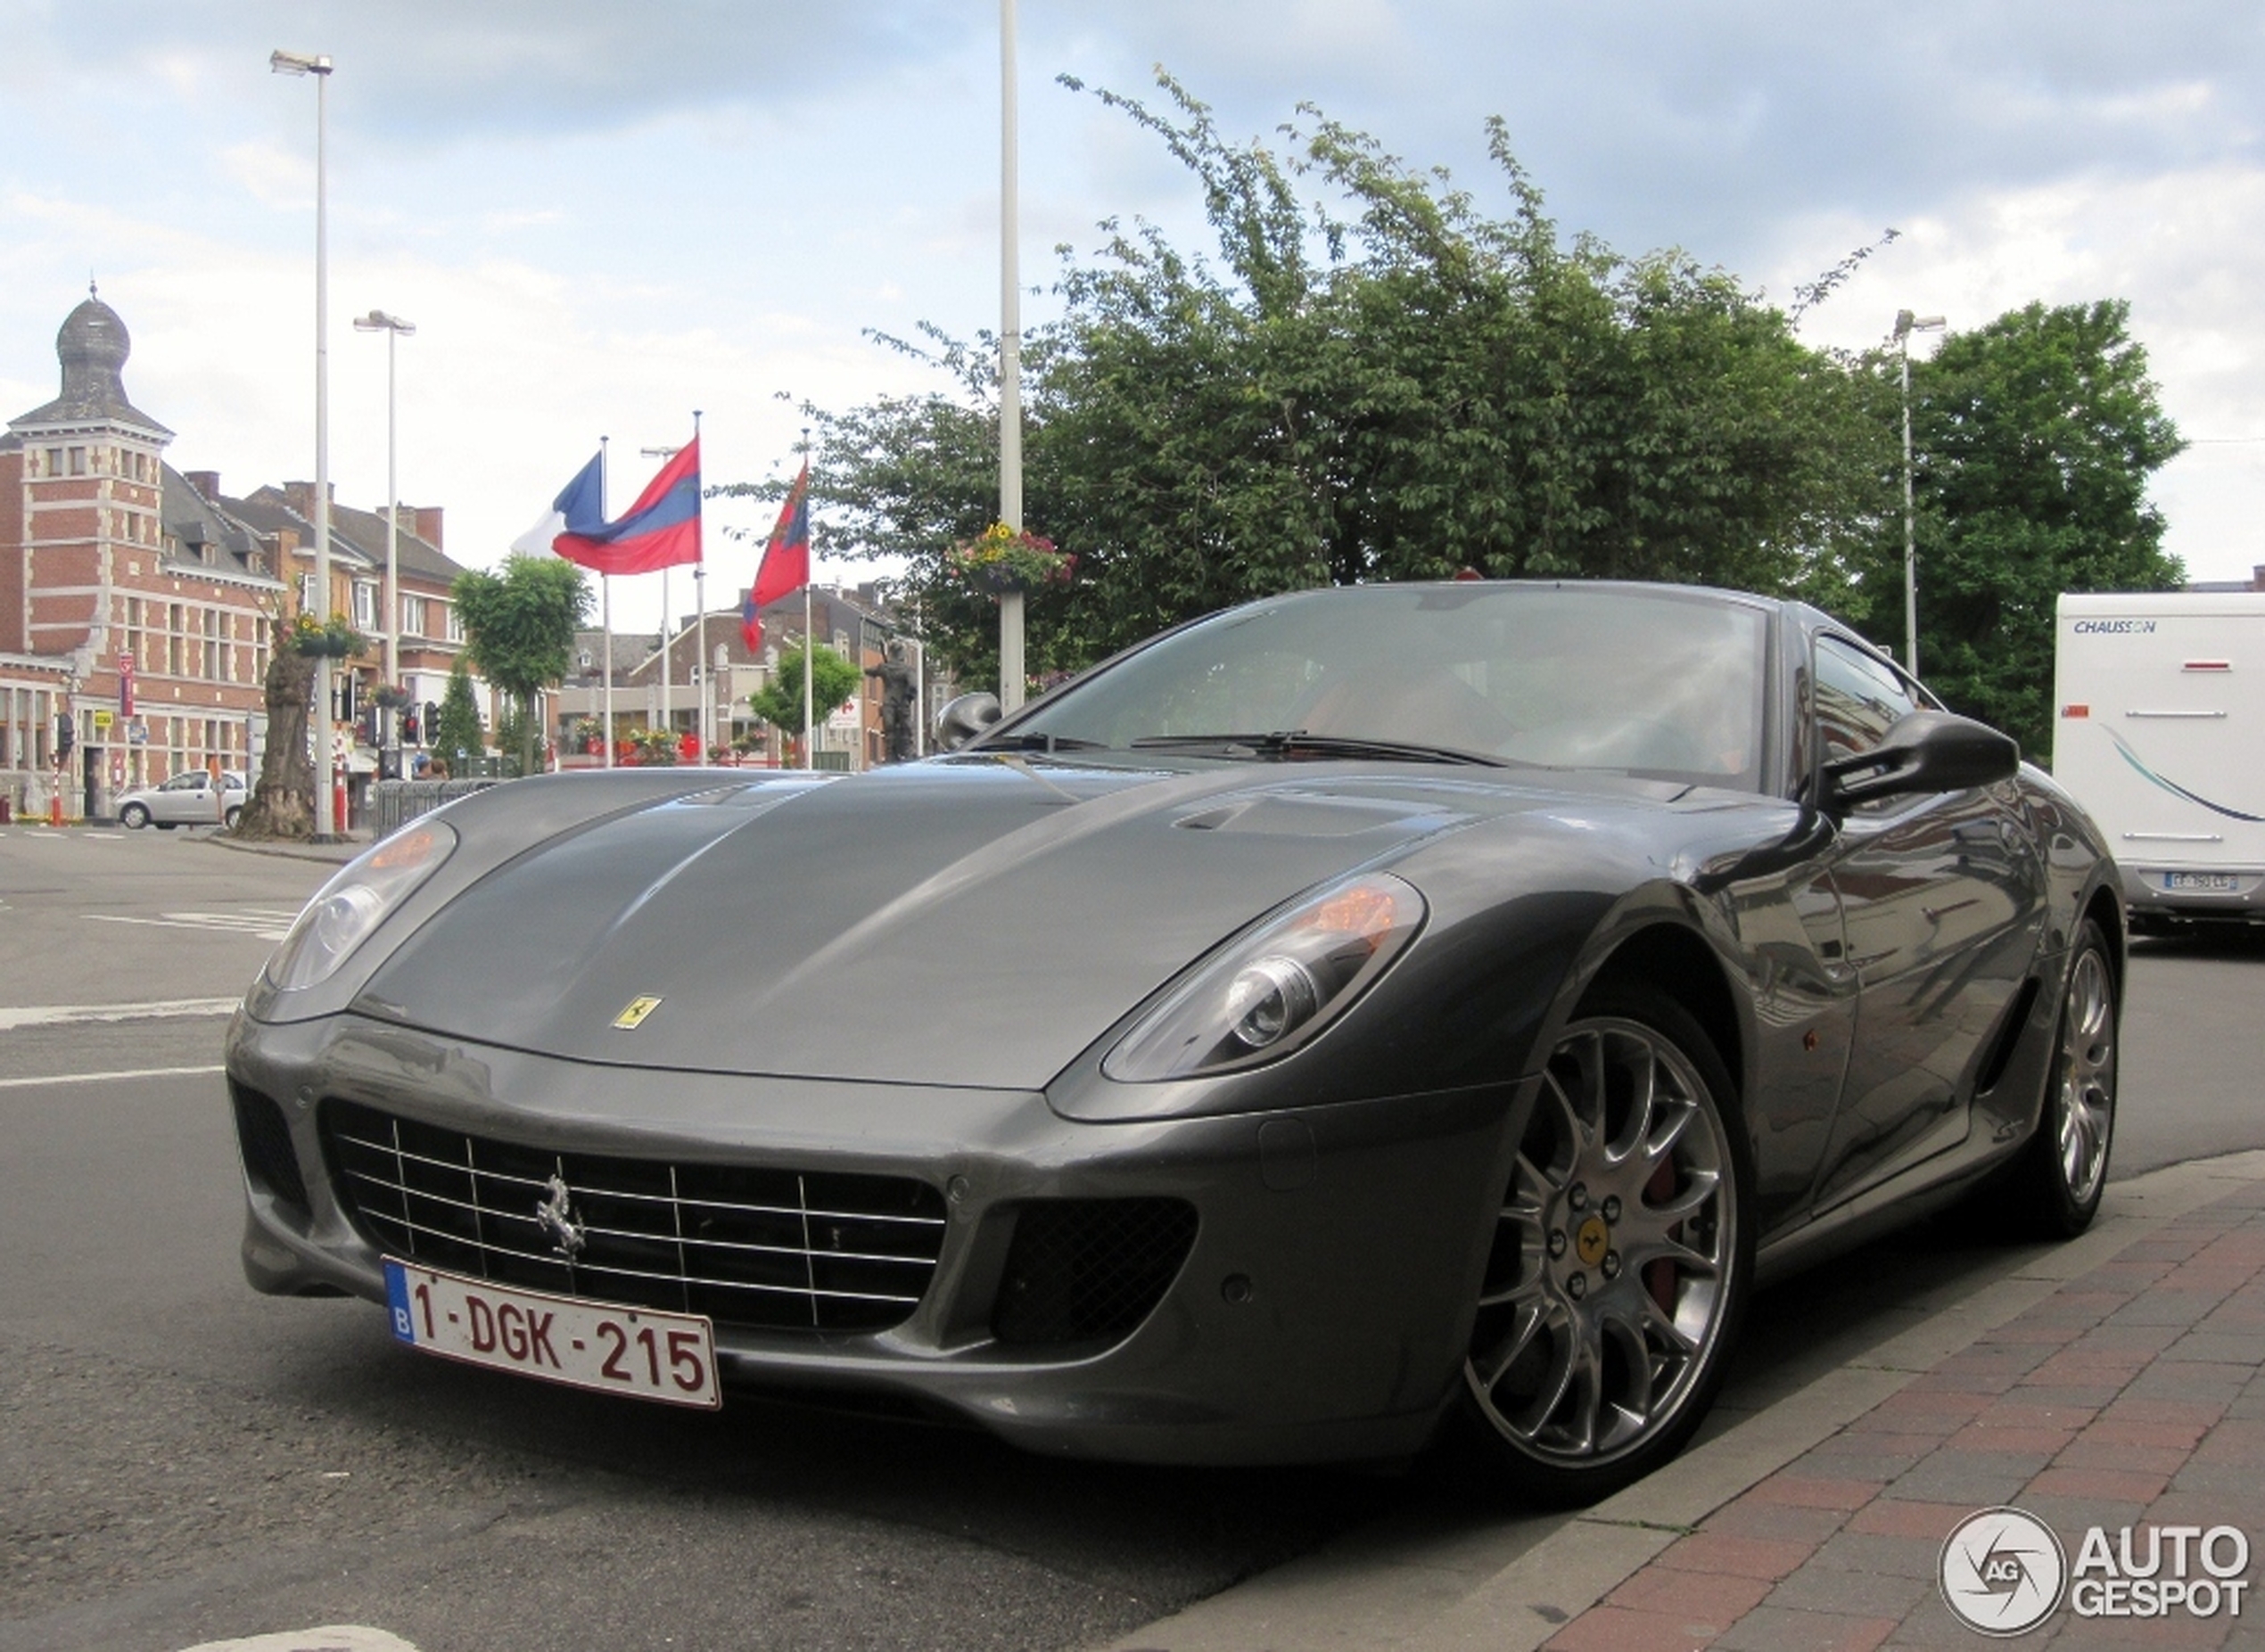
<point x="192" y="798"/>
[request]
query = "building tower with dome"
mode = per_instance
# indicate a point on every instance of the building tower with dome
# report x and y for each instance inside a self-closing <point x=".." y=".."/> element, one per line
<point x="155" y="655"/>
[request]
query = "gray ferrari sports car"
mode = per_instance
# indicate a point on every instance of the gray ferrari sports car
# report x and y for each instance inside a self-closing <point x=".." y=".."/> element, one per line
<point x="1360" y="1015"/>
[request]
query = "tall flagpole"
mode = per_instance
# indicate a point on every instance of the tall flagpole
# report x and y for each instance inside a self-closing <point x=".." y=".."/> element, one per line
<point x="605" y="585"/>
<point x="705" y="721"/>
<point x="1010" y="350"/>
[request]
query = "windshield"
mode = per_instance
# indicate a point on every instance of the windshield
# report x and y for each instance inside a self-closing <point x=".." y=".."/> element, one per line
<point x="1575" y="677"/>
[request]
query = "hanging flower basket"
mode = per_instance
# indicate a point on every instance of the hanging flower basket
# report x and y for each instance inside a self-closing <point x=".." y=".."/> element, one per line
<point x="1000" y="560"/>
<point x="391" y="696"/>
<point x="333" y="639"/>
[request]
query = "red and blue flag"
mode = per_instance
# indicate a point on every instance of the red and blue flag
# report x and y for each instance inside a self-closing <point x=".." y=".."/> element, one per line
<point x="660" y="529"/>
<point x="785" y="560"/>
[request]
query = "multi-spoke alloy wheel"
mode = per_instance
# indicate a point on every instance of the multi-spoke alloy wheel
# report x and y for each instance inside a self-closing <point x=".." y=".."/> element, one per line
<point x="1619" y="1257"/>
<point x="2068" y="1159"/>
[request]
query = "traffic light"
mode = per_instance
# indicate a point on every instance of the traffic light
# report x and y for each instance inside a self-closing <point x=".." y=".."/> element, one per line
<point x="431" y="721"/>
<point x="66" y="734"/>
<point x="343" y="709"/>
<point x="409" y="728"/>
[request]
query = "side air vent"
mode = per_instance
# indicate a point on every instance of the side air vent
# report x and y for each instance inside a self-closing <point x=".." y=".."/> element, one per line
<point x="2007" y="1037"/>
<point x="270" y="1162"/>
<point x="1087" y="1270"/>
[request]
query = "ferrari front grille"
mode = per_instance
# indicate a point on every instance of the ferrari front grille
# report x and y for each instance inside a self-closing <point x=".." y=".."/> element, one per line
<point x="765" y="1247"/>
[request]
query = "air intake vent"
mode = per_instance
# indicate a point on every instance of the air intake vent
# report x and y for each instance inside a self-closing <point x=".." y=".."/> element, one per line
<point x="270" y="1162"/>
<point x="765" y="1247"/>
<point x="1090" y="1270"/>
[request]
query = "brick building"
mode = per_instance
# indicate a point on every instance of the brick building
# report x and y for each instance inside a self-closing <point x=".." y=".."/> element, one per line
<point x="139" y="606"/>
<point x="152" y="646"/>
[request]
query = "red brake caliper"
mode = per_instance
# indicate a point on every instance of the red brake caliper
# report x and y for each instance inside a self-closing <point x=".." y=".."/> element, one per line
<point x="1659" y="1275"/>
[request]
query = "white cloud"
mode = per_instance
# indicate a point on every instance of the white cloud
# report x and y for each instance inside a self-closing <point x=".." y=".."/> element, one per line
<point x="2183" y="247"/>
<point x="601" y="217"/>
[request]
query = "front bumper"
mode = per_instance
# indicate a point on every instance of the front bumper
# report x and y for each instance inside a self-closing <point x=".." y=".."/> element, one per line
<point x="1320" y="1314"/>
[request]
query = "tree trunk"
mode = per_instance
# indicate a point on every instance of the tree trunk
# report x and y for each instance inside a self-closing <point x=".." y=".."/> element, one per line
<point x="282" y="803"/>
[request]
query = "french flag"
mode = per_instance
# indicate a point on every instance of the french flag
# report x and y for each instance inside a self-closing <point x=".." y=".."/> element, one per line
<point x="785" y="560"/>
<point x="659" y="530"/>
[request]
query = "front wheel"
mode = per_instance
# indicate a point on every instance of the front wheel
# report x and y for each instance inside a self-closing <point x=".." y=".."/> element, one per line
<point x="235" y="814"/>
<point x="133" y="815"/>
<point x="1622" y="1257"/>
<point x="2061" y="1171"/>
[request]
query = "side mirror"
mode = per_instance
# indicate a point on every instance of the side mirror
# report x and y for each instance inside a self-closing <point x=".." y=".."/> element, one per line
<point x="962" y="719"/>
<point x="1923" y="751"/>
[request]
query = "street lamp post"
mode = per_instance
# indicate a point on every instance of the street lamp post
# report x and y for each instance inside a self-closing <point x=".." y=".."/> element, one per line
<point x="393" y="327"/>
<point x="297" y="64"/>
<point x="1010" y="360"/>
<point x="1906" y="324"/>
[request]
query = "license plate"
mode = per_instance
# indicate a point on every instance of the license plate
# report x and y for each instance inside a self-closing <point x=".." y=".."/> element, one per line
<point x="2219" y="882"/>
<point x="642" y="1353"/>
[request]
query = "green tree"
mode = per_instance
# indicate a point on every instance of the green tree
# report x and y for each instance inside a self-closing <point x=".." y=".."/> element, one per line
<point x="456" y="735"/>
<point x="519" y="625"/>
<point x="2034" y="438"/>
<point x="779" y="701"/>
<point x="1370" y="378"/>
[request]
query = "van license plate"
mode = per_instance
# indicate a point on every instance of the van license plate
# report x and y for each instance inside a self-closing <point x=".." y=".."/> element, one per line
<point x="2213" y="882"/>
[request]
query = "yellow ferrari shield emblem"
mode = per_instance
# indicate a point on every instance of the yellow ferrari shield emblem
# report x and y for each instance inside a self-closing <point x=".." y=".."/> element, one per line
<point x="1589" y="1241"/>
<point x="633" y="1015"/>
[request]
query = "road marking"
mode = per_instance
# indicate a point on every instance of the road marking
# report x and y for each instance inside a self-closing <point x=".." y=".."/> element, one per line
<point x="105" y="1078"/>
<point x="330" y="1638"/>
<point x="266" y="925"/>
<point x="65" y="1015"/>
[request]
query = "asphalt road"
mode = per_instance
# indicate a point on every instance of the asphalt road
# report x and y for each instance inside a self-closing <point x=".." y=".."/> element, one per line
<point x="185" y="1460"/>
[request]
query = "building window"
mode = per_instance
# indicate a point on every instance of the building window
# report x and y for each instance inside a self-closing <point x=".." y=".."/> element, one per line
<point x="54" y="466"/>
<point x="412" y="616"/>
<point x="307" y="595"/>
<point x="365" y="605"/>
<point x="79" y="461"/>
<point x="455" y="623"/>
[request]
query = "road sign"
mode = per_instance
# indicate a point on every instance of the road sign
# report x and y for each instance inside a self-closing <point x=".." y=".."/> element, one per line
<point x="103" y="718"/>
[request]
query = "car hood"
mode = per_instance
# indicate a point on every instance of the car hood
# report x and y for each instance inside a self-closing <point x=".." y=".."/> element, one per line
<point x="967" y="922"/>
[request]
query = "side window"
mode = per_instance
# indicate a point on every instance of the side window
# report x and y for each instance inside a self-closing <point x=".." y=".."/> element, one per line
<point x="1859" y="697"/>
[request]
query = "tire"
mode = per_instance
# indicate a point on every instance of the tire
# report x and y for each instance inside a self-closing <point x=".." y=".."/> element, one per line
<point x="228" y="821"/>
<point x="133" y="815"/>
<point x="2058" y="1179"/>
<point x="1622" y="1259"/>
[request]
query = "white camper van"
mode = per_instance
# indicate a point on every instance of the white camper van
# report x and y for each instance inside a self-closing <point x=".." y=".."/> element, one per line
<point x="2159" y="730"/>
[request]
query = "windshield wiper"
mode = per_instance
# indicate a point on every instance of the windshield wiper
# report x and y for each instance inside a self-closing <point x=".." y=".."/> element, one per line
<point x="1033" y="741"/>
<point x="1291" y="742"/>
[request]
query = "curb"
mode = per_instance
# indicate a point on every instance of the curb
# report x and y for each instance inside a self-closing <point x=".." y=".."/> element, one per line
<point x="1508" y="1586"/>
<point x="283" y="851"/>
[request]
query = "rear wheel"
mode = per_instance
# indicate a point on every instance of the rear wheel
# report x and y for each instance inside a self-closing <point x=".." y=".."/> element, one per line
<point x="235" y="814"/>
<point x="1622" y="1258"/>
<point x="2063" y="1170"/>
<point x="133" y="815"/>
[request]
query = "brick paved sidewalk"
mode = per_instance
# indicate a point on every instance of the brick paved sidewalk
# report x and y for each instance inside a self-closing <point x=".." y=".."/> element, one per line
<point x="2132" y="1396"/>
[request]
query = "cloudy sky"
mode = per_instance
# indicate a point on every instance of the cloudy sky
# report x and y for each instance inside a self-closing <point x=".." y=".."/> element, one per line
<point x="601" y="216"/>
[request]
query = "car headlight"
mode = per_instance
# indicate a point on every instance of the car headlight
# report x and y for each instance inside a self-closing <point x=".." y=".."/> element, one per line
<point x="1273" y="988"/>
<point x="346" y="909"/>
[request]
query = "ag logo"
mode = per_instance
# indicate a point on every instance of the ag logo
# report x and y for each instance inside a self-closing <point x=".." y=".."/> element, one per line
<point x="2002" y="1572"/>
